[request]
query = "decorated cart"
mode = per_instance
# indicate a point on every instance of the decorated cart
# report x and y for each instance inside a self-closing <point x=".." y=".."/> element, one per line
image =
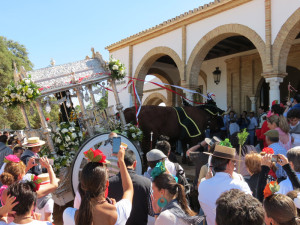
<point x="57" y="85"/>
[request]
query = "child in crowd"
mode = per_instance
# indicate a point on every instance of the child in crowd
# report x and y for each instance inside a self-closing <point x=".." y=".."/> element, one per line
<point x="293" y="117"/>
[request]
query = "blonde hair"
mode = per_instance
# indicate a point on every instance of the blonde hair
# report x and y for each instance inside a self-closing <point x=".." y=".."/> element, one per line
<point x="253" y="162"/>
<point x="280" y="121"/>
<point x="12" y="171"/>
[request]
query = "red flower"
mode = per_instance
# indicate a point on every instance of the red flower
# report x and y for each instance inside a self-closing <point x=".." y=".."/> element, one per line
<point x="95" y="156"/>
<point x="47" y="119"/>
<point x="268" y="150"/>
<point x="271" y="188"/>
<point x="36" y="182"/>
<point x="40" y="89"/>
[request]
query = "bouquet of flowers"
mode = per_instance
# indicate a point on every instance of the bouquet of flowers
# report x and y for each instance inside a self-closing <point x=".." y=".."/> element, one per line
<point x="117" y="69"/>
<point x="66" y="139"/>
<point x="25" y="91"/>
<point x="131" y="131"/>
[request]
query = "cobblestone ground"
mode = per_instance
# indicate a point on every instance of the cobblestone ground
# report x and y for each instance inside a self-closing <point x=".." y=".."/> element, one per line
<point x="58" y="210"/>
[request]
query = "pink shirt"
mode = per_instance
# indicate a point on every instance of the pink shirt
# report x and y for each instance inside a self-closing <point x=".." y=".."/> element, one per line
<point x="284" y="139"/>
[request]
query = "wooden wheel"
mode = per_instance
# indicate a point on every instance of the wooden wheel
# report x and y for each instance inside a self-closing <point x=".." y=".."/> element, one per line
<point x="96" y="142"/>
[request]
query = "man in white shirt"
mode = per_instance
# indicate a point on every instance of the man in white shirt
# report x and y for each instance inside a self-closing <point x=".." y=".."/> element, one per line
<point x="223" y="162"/>
<point x="293" y="156"/>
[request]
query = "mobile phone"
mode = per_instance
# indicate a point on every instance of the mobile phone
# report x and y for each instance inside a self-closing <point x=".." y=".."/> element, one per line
<point x="37" y="160"/>
<point x="275" y="158"/>
<point x="116" y="144"/>
<point x="292" y="100"/>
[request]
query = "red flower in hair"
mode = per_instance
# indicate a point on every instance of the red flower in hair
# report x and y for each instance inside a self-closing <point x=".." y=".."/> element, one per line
<point x="37" y="183"/>
<point x="268" y="150"/>
<point x="95" y="156"/>
<point x="271" y="188"/>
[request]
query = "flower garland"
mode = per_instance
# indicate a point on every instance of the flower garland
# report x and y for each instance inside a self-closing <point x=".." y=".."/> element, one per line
<point x="66" y="139"/>
<point x="131" y="131"/>
<point x="25" y="91"/>
<point x="117" y="69"/>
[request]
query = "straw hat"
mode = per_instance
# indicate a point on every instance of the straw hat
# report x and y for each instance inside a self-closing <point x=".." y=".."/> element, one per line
<point x="223" y="152"/>
<point x="34" y="142"/>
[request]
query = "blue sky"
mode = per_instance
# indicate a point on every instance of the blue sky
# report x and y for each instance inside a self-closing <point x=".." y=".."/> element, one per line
<point x="66" y="30"/>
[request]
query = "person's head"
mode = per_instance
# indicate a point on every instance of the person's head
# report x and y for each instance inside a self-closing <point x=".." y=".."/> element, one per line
<point x="277" y="109"/>
<point x="13" y="171"/>
<point x="244" y="113"/>
<point x="293" y="156"/>
<point x="253" y="162"/>
<point x="35" y="149"/>
<point x="261" y="109"/>
<point x="154" y="156"/>
<point x="223" y="159"/>
<point x="6" y="133"/>
<point x="280" y="210"/>
<point x="112" y="135"/>
<point x="231" y="114"/>
<point x="130" y="159"/>
<point x="293" y="116"/>
<point x="34" y="144"/>
<point x="18" y="151"/>
<point x="163" y="146"/>
<point x="297" y="98"/>
<point x="272" y="136"/>
<point x="3" y="138"/>
<point x="234" y="207"/>
<point x="25" y="196"/>
<point x="165" y="186"/>
<point x="295" y="196"/>
<point x="93" y="181"/>
<point x="251" y="114"/>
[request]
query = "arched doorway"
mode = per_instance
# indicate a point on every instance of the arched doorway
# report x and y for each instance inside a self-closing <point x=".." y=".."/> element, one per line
<point x="164" y="63"/>
<point x="239" y="52"/>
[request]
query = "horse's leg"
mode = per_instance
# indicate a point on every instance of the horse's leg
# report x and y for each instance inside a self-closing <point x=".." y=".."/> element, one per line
<point x="184" y="149"/>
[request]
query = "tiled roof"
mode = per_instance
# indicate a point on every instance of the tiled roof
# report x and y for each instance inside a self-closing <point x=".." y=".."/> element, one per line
<point x="174" y="20"/>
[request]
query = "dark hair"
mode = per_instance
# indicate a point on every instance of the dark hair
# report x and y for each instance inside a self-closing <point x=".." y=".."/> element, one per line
<point x="262" y="107"/>
<point x="235" y="143"/>
<point x="234" y="207"/>
<point x="17" y="149"/>
<point x="5" y="132"/>
<point x="219" y="164"/>
<point x="294" y="194"/>
<point x="152" y="164"/>
<point x="297" y="98"/>
<point x="282" y="209"/>
<point x="129" y="157"/>
<point x="24" y="195"/>
<point x="167" y="181"/>
<point x="273" y="139"/>
<point x="93" y="182"/>
<point x="3" y="138"/>
<point x="293" y="113"/>
<point x="164" y="146"/>
<point x="277" y="109"/>
<point x="293" y="156"/>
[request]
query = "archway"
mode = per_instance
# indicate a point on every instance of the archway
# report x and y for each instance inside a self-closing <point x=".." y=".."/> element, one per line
<point x="155" y="99"/>
<point x="284" y="40"/>
<point x="239" y="52"/>
<point x="161" y="61"/>
<point x="220" y="33"/>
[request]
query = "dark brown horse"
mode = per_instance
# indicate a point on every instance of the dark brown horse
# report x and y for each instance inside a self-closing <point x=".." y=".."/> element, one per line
<point x="164" y="121"/>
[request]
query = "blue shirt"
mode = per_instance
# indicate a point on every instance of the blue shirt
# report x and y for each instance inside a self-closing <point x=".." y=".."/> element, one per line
<point x="278" y="149"/>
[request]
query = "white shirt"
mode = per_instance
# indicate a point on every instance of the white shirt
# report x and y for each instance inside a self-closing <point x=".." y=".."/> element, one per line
<point x="211" y="189"/>
<point x="168" y="218"/>
<point x="35" y="222"/>
<point x="169" y="165"/>
<point x="48" y="208"/>
<point x="286" y="185"/>
<point x="123" y="207"/>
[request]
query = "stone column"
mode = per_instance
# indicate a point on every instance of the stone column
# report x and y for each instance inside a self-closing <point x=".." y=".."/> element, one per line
<point x="274" y="83"/>
<point x="92" y="96"/>
<point x="44" y="124"/>
<point x="85" y="117"/>
<point x="189" y="96"/>
<point x="253" y="103"/>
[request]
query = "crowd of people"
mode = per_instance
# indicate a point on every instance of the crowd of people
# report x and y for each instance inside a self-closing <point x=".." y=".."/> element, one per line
<point x="256" y="182"/>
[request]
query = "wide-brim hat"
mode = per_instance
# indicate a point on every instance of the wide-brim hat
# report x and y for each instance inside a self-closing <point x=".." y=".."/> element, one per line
<point x="33" y="142"/>
<point x="211" y="141"/>
<point x="223" y="152"/>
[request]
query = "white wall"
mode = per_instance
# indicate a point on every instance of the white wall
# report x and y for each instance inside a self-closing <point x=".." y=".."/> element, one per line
<point x="281" y="11"/>
<point x="171" y="40"/>
<point x="251" y="14"/>
<point x="150" y="86"/>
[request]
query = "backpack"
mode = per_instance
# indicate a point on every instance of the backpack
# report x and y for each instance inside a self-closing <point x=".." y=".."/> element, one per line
<point x="182" y="179"/>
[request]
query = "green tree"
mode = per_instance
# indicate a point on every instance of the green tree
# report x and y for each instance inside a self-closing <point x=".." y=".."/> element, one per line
<point x="10" y="52"/>
<point x="103" y="102"/>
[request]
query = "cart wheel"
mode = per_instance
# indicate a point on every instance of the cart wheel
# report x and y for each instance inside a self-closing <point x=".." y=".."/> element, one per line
<point x="95" y="142"/>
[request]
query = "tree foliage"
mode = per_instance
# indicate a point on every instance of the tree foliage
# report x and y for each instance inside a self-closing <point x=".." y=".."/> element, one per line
<point x="103" y="102"/>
